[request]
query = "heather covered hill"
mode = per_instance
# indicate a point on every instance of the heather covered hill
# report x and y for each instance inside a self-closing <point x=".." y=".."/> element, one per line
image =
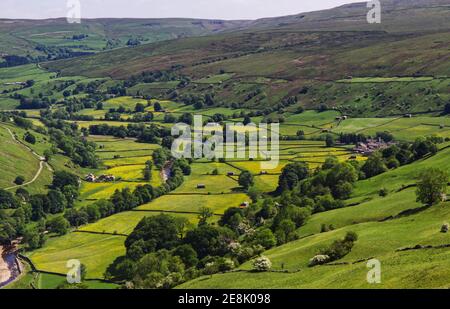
<point x="397" y="16"/>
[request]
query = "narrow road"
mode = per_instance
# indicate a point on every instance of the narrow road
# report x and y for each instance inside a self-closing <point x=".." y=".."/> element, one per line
<point x="41" y="159"/>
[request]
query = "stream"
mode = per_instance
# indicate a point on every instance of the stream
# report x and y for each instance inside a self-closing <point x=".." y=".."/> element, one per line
<point x="9" y="267"/>
<point x="166" y="171"/>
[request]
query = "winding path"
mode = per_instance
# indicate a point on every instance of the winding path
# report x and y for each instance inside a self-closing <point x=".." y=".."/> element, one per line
<point x="41" y="159"/>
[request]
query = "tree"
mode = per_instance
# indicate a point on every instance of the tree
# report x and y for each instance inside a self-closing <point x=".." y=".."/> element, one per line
<point x="246" y="179"/>
<point x="159" y="270"/>
<point x="8" y="200"/>
<point x="93" y="213"/>
<point x="422" y="147"/>
<point x="157" y="107"/>
<point x="447" y="109"/>
<point x="48" y="154"/>
<point x="374" y="165"/>
<point x="301" y="134"/>
<point x="329" y="140"/>
<point x="160" y="157"/>
<point x="385" y="136"/>
<point x="158" y="232"/>
<point x="71" y="194"/>
<point x="265" y="238"/>
<point x="63" y="178"/>
<point x="29" y="138"/>
<point x="254" y="194"/>
<point x="187" y="255"/>
<point x="58" y="225"/>
<point x="19" y="180"/>
<point x="57" y="202"/>
<point x="291" y="175"/>
<point x="285" y="231"/>
<point x="247" y="120"/>
<point x="205" y="214"/>
<point x="33" y="238"/>
<point x="76" y="217"/>
<point x="431" y="186"/>
<point x="122" y="268"/>
<point x="186" y="118"/>
<point x="147" y="172"/>
<point x="209" y="240"/>
<point x="139" y="108"/>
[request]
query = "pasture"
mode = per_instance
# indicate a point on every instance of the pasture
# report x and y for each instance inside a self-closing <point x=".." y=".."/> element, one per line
<point x="192" y="203"/>
<point x="402" y="128"/>
<point x="15" y="160"/>
<point x="125" y="222"/>
<point x="95" y="251"/>
<point x="376" y="239"/>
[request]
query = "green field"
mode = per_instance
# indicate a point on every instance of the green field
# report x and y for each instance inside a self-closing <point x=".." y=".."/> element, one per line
<point x="95" y="251"/>
<point x="402" y="128"/>
<point x="125" y="222"/>
<point x="193" y="203"/>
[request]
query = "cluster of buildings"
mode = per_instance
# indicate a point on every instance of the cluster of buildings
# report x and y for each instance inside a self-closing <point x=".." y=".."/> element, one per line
<point x="101" y="178"/>
<point x="372" y="145"/>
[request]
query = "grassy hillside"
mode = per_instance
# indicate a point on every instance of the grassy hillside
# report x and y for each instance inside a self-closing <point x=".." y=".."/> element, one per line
<point x="21" y="37"/>
<point x="384" y="225"/>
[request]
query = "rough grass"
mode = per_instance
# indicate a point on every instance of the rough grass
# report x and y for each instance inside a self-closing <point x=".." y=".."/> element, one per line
<point x="376" y="239"/>
<point x="215" y="79"/>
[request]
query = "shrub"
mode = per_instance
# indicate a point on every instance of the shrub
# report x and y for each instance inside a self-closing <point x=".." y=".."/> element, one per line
<point x="432" y="185"/>
<point x="58" y="225"/>
<point x="383" y="192"/>
<point x="444" y="228"/>
<point x="265" y="238"/>
<point x="351" y="236"/>
<point x="262" y="264"/>
<point x="246" y="179"/>
<point x="319" y="260"/>
<point x="340" y="248"/>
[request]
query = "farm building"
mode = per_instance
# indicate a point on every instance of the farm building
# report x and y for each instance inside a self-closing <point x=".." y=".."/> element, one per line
<point x="101" y="178"/>
<point x="106" y="178"/>
<point x="90" y="178"/>
<point x="244" y="205"/>
<point x="372" y="145"/>
<point x="339" y="118"/>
